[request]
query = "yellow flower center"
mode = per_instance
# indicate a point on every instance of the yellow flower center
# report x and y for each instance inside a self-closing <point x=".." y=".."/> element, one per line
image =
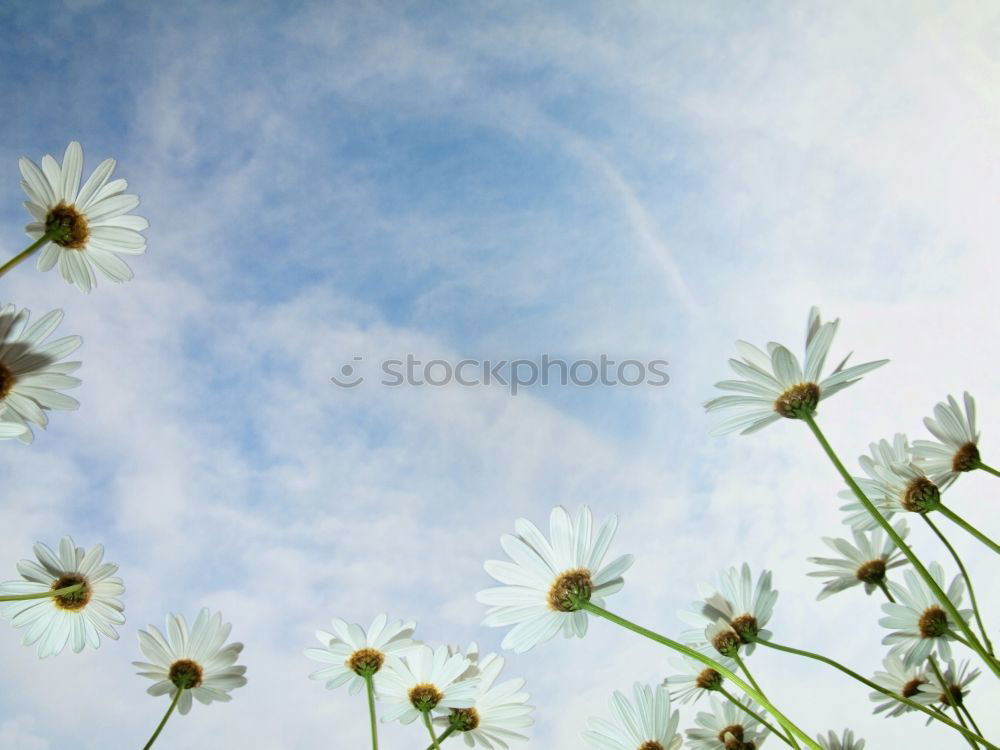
<point x="798" y="399"/>
<point x="7" y="380"/>
<point x="67" y="227"/>
<point x="366" y="661"/>
<point x="75" y="600"/>
<point x="186" y="674"/>
<point x="568" y="588"/>
<point x="425" y="696"/>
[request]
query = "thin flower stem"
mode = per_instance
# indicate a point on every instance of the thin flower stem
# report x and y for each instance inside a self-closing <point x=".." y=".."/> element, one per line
<point x="960" y="639"/>
<point x="24" y="254"/>
<point x="173" y="705"/>
<point x="427" y="723"/>
<point x="708" y="662"/>
<point x="965" y="575"/>
<point x="989" y="469"/>
<point x="42" y="594"/>
<point x="898" y="541"/>
<point x="885" y="590"/>
<point x="440" y="738"/>
<point x="746" y="709"/>
<point x="742" y="665"/>
<point x="968" y="715"/>
<point x="746" y="670"/>
<point x="875" y="686"/>
<point x="371" y="709"/>
<point x="955" y="518"/>
<point x="949" y="698"/>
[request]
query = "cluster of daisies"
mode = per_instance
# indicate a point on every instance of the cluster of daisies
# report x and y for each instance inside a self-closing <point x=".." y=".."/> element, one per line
<point x="77" y="229"/>
<point x="70" y="597"/>
<point x="452" y="691"/>
<point x="550" y="584"/>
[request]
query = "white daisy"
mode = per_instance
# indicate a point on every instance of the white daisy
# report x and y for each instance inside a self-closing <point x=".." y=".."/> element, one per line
<point x="425" y="680"/>
<point x="546" y="578"/>
<point x="646" y="723"/>
<point x="719" y="635"/>
<point x="194" y="662"/>
<point x="845" y="742"/>
<point x="900" y="679"/>
<point x="352" y="654"/>
<point x="727" y="728"/>
<point x="866" y="561"/>
<point x="738" y="603"/>
<point x="694" y="678"/>
<point x="78" y="618"/>
<point x="498" y="711"/>
<point x="775" y="386"/>
<point x="956" y="682"/>
<point x="30" y="371"/>
<point x="958" y="446"/>
<point x="895" y="484"/>
<point x="88" y="226"/>
<point x="919" y="623"/>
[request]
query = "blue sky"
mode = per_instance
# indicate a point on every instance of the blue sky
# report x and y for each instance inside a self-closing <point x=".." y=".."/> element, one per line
<point x="484" y="180"/>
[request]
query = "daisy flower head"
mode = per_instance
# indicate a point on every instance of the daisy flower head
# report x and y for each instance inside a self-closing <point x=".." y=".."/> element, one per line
<point x="351" y="654"/>
<point x="719" y="635"/>
<point x="727" y="727"/>
<point x="79" y="617"/>
<point x="918" y="622"/>
<point x="645" y="723"/>
<point x="193" y="661"/>
<point x="956" y="683"/>
<point x="498" y="713"/>
<point x="694" y="678"/>
<point x="900" y="679"/>
<point x="425" y="680"/>
<point x="738" y="603"/>
<point x="31" y="375"/>
<point x="957" y="446"/>
<point x="773" y="384"/>
<point x="866" y="561"/>
<point x="894" y="484"/>
<point x="85" y="227"/>
<point x="548" y="579"/>
<point x="845" y="742"/>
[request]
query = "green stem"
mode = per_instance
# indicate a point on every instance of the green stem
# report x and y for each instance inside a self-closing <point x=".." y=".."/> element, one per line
<point x="173" y="705"/>
<point x="24" y="254"/>
<point x="427" y="723"/>
<point x="968" y="715"/>
<point x="742" y="665"/>
<point x="43" y="594"/>
<point x="708" y="662"/>
<point x="949" y="698"/>
<point x="746" y="709"/>
<point x="875" y="686"/>
<point x="965" y="575"/>
<point x="989" y="469"/>
<point x="746" y="670"/>
<point x="885" y="590"/>
<point x="954" y="517"/>
<point x="447" y="732"/>
<point x="371" y="709"/>
<point x="946" y="603"/>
